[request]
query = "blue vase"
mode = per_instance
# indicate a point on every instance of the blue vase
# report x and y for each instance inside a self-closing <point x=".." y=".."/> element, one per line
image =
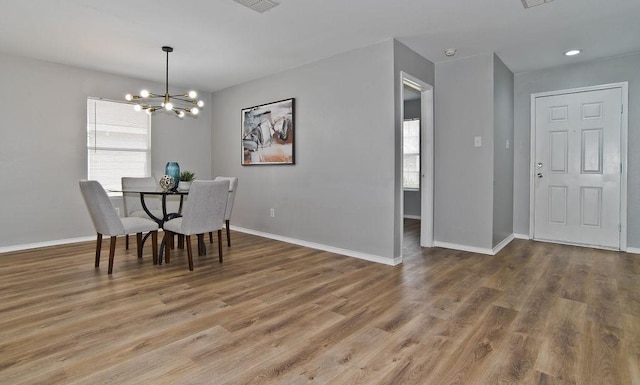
<point x="173" y="170"/>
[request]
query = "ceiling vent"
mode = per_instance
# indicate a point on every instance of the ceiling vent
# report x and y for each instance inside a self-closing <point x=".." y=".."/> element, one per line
<point x="260" y="6"/>
<point x="533" y="3"/>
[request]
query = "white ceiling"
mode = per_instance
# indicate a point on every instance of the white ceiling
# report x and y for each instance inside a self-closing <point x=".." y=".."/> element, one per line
<point x="219" y="43"/>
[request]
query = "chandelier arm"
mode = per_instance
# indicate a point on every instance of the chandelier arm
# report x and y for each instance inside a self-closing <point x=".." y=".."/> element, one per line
<point x="194" y="102"/>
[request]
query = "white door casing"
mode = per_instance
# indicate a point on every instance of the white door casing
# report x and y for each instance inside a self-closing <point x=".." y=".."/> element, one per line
<point x="578" y="153"/>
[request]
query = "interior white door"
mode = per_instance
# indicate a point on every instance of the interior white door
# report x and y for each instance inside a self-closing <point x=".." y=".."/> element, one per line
<point x="577" y="168"/>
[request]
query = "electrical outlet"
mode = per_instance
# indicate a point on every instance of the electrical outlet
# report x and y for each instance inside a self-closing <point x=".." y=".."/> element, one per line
<point x="272" y="213"/>
<point x="477" y="141"/>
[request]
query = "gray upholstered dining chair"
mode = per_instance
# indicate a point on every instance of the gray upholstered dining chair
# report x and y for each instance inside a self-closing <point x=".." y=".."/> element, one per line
<point x="131" y="201"/>
<point x="107" y="222"/>
<point x="233" y="185"/>
<point x="203" y="212"/>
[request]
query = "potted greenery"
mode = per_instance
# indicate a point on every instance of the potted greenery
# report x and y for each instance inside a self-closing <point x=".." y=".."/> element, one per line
<point x="185" y="179"/>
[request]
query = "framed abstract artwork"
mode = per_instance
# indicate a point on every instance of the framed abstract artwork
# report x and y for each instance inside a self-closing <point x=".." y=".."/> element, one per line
<point x="268" y="131"/>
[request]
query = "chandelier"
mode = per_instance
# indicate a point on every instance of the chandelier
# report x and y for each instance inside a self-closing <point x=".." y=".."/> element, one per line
<point x="179" y="103"/>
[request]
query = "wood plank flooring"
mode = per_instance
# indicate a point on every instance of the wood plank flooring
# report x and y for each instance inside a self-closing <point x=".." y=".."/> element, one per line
<point x="275" y="313"/>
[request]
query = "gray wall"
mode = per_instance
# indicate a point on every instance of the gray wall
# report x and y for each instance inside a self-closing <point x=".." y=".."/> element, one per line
<point x="412" y="197"/>
<point x="463" y="173"/>
<point x="340" y="192"/>
<point x="412" y="109"/>
<point x="613" y="70"/>
<point x="43" y="148"/>
<point x="412" y="203"/>
<point x="407" y="61"/>
<point x="502" y="156"/>
<point x="345" y="189"/>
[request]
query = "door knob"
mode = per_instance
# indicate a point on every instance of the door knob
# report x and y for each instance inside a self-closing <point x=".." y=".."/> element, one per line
<point x="539" y="175"/>
<point x="539" y="165"/>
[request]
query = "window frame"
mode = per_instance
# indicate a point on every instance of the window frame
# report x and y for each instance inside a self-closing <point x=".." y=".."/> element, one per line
<point x="404" y="187"/>
<point x="96" y="147"/>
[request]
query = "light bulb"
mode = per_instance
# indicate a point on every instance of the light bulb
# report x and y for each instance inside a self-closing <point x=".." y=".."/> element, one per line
<point x="195" y="110"/>
<point x="144" y="93"/>
<point x="168" y="106"/>
<point x="181" y="114"/>
<point x="572" y="52"/>
<point x="137" y="107"/>
<point x="128" y="97"/>
<point x="200" y="103"/>
<point x="193" y="94"/>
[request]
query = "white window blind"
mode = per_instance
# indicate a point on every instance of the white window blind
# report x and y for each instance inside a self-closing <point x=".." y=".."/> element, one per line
<point x="411" y="154"/>
<point x="118" y="142"/>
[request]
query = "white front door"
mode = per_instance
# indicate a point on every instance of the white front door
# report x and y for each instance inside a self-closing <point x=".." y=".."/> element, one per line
<point x="577" y="168"/>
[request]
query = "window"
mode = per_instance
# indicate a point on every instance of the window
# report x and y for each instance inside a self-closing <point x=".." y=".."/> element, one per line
<point x="411" y="154"/>
<point x="118" y="142"/>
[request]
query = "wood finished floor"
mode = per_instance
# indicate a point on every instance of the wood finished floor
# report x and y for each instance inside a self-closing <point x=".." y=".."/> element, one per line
<point x="276" y="313"/>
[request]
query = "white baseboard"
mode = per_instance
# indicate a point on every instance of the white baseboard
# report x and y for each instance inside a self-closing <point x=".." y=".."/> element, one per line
<point x="502" y="244"/>
<point x="58" y="242"/>
<point x="312" y="245"/>
<point x="521" y="236"/>
<point x="471" y="249"/>
<point x="633" y="250"/>
<point x="318" y="246"/>
<point x="412" y="216"/>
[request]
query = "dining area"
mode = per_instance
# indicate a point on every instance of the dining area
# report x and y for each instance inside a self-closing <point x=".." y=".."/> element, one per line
<point x="149" y="206"/>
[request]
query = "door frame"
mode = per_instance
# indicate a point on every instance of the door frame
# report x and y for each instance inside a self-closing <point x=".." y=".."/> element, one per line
<point x="624" y="128"/>
<point x="426" y="158"/>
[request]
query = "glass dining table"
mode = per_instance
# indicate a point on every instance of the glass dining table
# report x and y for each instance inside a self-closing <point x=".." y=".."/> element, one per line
<point x="163" y="194"/>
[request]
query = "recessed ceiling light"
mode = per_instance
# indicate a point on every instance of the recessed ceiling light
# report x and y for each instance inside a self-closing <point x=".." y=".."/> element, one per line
<point x="450" y="51"/>
<point x="572" y="52"/>
<point x="260" y="6"/>
<point x="533" y="3"/>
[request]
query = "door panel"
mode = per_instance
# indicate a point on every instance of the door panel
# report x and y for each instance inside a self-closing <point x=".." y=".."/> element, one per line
<point x="559" y="146"/>
<point x="577" y="168"/>
<point x="591" y="204"/>
<point x="591" y="158"/>
<point x="558" y="205"/>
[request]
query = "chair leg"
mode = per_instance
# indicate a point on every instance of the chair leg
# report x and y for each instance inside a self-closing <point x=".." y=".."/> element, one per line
<point x="220" y="245"/>
<point x="139" y="244"/>
<point x="210" y="236"/>
<point x="98" y="247"/>
<point x="228" y="236"/>
<point x="168" y="238"/>
<point x="112" y="252"/>
<point x="180" y="241"/>
<point x="189" y="255"/>
<point x="126" y="241"/>
<point x="200" y="244"/>
<point x="154" y="246"/>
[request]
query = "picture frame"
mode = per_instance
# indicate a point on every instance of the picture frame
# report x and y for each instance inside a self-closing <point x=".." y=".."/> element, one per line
<point x="267" y="134"/>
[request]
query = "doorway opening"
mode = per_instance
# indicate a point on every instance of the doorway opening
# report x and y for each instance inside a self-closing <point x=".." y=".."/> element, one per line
<point x="417" y="160"/>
